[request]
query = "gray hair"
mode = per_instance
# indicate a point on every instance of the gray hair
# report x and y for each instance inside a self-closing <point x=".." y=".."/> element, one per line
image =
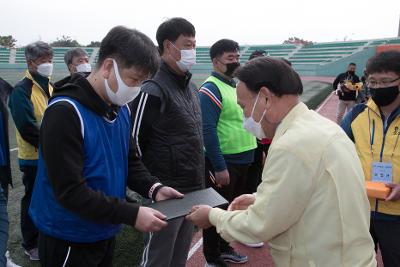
<point x="76" y="52"/>
<point x="37" y="50"/>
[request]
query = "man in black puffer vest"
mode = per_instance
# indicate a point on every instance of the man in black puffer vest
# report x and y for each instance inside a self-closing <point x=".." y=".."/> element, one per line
<point x="168" y="134"/>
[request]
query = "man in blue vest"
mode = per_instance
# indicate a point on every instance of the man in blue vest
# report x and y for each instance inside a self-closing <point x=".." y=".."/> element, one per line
<point x="229" y="147"/>
<point x="86" y="158"/>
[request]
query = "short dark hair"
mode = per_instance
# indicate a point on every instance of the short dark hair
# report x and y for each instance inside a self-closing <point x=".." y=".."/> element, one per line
<point x="384" y="62"/>
<point x="130" y="48"/>
<point x="75" y="52"/>
<point x="352" y="64"/>
<point x="287" y="61"/>
<point x="222" y="46"/>
<point x="172" y="29"/>
<point x="257" y="53"/>
<point x="278" y="76"/>
<point x="37" y="50"/>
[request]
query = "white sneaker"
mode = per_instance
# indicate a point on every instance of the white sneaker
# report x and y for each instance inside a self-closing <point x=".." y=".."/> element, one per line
<point x="10" y="263"/>
<point x="254" y="245"/>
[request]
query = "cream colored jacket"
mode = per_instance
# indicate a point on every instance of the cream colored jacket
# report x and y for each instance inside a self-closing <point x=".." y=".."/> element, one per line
<point x="311" y="205"/>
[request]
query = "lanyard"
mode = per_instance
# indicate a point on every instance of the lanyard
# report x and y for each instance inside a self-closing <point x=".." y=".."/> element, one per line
<point x="372" y="137"/>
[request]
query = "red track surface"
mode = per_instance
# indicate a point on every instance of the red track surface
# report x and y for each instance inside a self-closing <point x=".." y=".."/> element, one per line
<point x="260" y="257"/>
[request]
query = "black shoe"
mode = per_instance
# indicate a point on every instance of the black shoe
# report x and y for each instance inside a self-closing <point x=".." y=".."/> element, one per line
<point x="218" y="262"/>
<point x="232" y="256"/>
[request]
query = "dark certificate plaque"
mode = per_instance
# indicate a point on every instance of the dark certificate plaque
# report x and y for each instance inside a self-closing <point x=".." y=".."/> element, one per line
<point x="174" y="208"/>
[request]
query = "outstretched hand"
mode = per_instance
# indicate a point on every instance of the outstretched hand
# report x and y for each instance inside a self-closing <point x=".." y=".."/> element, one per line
<point x="199" y="216"/>
<point x="167" y="192"/>
<point x="242" y="202"/>
<point x="150" y="220"/>
<point x="394" y="193"/>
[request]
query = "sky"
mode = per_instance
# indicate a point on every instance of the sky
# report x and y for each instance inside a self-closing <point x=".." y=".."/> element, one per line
<point x="247" y="22"/>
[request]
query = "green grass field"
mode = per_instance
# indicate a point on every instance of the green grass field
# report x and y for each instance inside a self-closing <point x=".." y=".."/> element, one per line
<point x="129" y="241"/>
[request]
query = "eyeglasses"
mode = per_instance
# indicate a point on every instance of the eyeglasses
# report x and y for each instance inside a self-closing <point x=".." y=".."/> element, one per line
<point x="384" y="83"/>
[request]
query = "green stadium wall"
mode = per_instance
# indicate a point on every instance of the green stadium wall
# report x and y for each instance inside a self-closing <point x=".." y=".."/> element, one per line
<point x="201" y="69"/>
<point x="339" y="66"/>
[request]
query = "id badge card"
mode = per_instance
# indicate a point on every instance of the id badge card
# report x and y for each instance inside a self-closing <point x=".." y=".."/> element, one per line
<point x="382" y="172"/>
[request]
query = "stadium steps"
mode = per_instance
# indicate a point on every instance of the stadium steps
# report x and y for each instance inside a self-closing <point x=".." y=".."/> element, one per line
<point x="295" y="51"/>
<point x="4" y="55"/>
<point x="94" y="55"/>
<point x="13" y="52"/>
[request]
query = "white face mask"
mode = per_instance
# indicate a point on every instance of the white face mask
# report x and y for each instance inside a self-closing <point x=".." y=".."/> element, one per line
<point x="124" y="94"/>
<point x="84" y="67"/>
<point x="188" y="59"/>
<point x="45" y="69"/>
<point x="251" y="125"/>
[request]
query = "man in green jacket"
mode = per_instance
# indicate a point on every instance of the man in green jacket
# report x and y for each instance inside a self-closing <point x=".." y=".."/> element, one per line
<point x="27" y="103"/>
<point x="229" y="147"/>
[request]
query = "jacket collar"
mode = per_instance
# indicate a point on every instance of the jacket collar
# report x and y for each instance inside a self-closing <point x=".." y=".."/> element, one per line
<point x="293" y="114"/>
<point x="374" y="107"/>
<point x="42" y="82"/>
<point x="230" y="82"/>
<point x="181" y="80"/>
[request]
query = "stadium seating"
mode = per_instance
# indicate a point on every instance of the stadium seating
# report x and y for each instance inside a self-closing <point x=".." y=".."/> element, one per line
<point x="305" y="59"/>
<point x="318" y="53"/>
<point x="4" y="55"/>
<point x="315" y="54"/>
<point x="59" y="53"/>
<point x="20" y="55"/>
<point x="282" y="51"/>
<point x="322" y="53"/>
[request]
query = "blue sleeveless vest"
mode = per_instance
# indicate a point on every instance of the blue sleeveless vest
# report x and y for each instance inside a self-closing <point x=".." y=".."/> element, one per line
<point x="106" y="147"/>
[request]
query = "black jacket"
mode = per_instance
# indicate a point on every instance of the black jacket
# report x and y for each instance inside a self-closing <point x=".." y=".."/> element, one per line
<point x="62" y="148"/>
<point x="168" y="130"/>
<point x="5" y="171"/>
<point x="346" y="94"/>
<point x="67" y="79"/>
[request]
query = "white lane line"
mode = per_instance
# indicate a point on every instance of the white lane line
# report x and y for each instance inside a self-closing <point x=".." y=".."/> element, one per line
<point x="14" y="149"/>
<point x="195" y="248"/>
<point x="324" y="103"/>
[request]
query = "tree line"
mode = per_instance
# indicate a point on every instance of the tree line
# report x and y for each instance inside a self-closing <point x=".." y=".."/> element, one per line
<point x="67" y="41"/>
<point x="64" y="41"/>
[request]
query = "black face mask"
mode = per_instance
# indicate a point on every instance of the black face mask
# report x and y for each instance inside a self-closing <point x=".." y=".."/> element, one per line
<point x="351" y="73"/>
<point x="230" y="68"/>
<point x="384" y="96"/>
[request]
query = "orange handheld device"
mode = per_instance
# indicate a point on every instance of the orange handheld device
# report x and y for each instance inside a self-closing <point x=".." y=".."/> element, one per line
<point x="377" y="190"/>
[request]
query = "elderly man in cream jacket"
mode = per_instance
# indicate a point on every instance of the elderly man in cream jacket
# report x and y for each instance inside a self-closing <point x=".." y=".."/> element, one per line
<point x="311" y="206"/>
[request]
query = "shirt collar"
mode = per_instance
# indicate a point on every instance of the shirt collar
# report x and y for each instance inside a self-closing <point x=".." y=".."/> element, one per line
<point x="39" y="80"/>
<point x="230" y="82"/>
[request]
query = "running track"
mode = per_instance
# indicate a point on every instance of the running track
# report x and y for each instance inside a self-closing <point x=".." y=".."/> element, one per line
<point x="260" y="257"/>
